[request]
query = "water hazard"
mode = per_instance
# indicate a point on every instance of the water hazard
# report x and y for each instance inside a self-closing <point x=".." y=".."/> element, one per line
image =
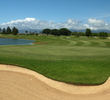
<point x="4" y="41"/>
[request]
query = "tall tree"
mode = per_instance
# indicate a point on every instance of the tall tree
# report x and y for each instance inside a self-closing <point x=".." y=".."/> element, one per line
<point x="8" y="30"/>
<point x="88" y="32"/>
<point x="26" y="32"/>
<point x="4" y="31"/>
<point x="55" y="32"/>
<point x="14" y="31"/>
<point x="0" y="30"/>
<point x="65" y="31"/>
<point x="46" y="31"/>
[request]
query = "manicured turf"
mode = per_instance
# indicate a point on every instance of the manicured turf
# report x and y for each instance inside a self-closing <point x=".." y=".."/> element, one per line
<point x="74" y="60"/>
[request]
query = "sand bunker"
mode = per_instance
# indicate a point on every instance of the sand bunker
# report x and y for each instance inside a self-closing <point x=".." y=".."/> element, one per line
<point x="18" y="83"/>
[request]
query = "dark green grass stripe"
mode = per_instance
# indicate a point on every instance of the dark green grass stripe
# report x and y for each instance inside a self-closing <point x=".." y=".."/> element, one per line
<point x="107" y="44"/>
<point x="79" y="43"/>
<point x="94" y="43"/>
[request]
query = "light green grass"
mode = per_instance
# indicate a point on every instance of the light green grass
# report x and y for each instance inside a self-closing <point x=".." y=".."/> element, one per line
<point x="75" y="60"/>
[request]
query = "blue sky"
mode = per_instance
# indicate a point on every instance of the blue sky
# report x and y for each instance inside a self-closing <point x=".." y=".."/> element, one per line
<point x="76" y="14"/>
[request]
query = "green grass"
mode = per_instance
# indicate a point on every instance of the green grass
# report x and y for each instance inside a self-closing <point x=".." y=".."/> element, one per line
<point x="75" y="60"/>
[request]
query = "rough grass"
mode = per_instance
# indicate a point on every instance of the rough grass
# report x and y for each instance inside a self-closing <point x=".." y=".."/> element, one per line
<point x="75" y="60"/>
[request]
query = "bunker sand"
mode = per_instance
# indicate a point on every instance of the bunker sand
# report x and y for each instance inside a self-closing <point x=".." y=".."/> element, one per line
<point x="18" y="83"/>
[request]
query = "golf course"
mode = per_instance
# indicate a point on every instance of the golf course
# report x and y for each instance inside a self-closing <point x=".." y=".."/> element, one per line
<point x="73" y="60"/>
<point x="55" y="68"/>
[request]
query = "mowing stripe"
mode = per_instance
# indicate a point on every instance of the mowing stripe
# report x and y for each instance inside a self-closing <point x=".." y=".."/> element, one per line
<point x="86" y="43"/>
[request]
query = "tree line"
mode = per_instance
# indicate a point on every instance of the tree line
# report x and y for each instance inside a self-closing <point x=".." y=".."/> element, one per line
<point x="57" y="32"/>
<point x="66" y="32"/>
<point x="8" y="30"/>
<point x="89" y="33"/>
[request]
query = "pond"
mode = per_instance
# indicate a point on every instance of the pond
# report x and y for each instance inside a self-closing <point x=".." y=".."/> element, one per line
<point x="4" y="41"/>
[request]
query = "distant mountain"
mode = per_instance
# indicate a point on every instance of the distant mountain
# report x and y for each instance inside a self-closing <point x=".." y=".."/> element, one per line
<point x="94" y="31"/>
<point x="30" y="30"/>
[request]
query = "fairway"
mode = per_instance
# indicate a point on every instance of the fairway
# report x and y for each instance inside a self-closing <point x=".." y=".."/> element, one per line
<point x="75" y="60"/>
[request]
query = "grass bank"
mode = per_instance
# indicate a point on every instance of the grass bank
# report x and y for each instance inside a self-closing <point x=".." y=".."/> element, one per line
<point x="74" y="60"/>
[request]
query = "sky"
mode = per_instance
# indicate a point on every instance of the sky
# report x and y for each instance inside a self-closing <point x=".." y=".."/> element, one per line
<point x="41" y="14"/>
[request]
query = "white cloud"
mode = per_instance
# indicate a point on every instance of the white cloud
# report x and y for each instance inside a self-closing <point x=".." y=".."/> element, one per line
<point x="95" y="24"/>
<point x="33" y="23"/>
<point x="28" y="23"/>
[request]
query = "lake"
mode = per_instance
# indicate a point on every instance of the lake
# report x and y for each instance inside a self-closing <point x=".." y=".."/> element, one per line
<point x="4" y="41"/>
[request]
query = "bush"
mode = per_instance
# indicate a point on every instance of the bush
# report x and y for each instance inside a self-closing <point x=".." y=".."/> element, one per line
<point x="103" y="35"/>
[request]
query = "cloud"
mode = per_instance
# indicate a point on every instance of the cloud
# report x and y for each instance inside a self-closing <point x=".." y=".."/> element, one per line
<point x="29" y="23"/>
<point x="95" y="24"/>
<point x="21" y="23"/>
<point x="33" y="23"/>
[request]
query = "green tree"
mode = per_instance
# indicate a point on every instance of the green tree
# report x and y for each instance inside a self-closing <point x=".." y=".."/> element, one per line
<point x="14" y="31"/>
<point x="8" y="31"/>
<point x="4" y="31"/>
<point x="46" y="31"/>
<point x="55" y="32"/>
<point x="26" y="32"/>
<point x="65" y="31"/>
<point x="103" y="35"/>
<point x="82" y="34"/>
<point x="0" y="30"/>
<point x="95" y="34"/>
<point x="88" y="32"/>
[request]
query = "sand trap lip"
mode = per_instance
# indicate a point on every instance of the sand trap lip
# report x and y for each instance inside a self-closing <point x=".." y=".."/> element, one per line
<point x="73" y="89"/>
